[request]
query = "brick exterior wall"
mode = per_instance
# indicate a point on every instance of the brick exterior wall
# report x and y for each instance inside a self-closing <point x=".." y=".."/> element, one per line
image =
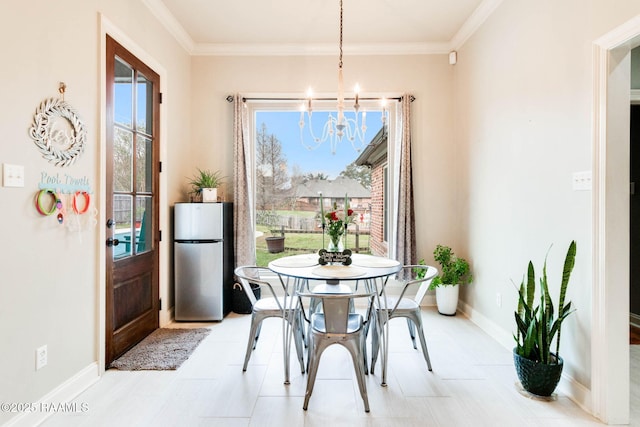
<point x="376" y="239"/>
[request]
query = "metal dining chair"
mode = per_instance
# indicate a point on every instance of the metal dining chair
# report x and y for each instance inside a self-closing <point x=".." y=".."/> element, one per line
<point x="272" y="305"/>
<point x="335" y="323"/>
<point x="387" y="308"/>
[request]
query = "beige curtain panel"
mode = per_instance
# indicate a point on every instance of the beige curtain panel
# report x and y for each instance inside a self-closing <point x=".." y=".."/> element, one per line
<point x="244" y="231"/>
<point x="406" y="238"/>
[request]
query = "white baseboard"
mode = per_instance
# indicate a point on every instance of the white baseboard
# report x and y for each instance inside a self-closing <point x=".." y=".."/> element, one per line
<point x="503" y="337"/>
<point x="166" y="317"/>
<point x="567" y="386"/>
<point x="429" y="300"/>
<point x="64" y="393"/>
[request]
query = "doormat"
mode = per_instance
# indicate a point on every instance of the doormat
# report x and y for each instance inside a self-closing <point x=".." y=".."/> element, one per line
<point x="634" y="335"/>
<point x="163" y="350"/>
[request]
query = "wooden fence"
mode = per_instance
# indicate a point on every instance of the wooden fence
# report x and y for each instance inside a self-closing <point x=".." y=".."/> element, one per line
<point x="357" y="233"/>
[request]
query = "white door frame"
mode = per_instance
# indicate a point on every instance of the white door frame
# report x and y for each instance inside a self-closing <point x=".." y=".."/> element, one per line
<point x="610" y="251"/>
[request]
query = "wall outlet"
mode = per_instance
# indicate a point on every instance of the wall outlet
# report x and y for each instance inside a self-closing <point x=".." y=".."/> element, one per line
<point x="41" y="357"/>
<point x="498" y="299"/>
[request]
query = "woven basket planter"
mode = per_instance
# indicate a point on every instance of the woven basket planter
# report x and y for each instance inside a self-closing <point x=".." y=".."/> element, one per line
<point x="240" y="301"/>
<point x="537" y="378"/>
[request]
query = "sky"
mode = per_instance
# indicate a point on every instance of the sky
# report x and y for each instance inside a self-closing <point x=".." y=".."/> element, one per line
<point x="285" y="126"/>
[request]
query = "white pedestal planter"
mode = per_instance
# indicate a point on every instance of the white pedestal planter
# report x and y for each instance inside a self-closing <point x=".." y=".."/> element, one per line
<point x="447" y="299"/>
<point x="209" y="195"/>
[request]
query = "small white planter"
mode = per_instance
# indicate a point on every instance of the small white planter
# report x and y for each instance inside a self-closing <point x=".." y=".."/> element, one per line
<point x="209" y="195"/>
<point x="447" y="299"/>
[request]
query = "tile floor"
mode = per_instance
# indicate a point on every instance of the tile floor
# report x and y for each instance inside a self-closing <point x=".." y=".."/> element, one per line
<point x="472" y="384"/>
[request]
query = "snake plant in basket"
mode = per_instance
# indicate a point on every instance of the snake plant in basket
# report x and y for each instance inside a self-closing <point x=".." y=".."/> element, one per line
<point x="538" y="368"/>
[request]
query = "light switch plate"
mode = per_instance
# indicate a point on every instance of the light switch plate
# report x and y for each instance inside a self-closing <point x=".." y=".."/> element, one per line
<point x="12" y="175"/>
<point x="582" y="181"/>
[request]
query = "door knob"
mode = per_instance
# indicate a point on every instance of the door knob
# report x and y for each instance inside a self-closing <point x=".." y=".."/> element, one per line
<point x="112" y="242"/>
<point x="110" y="223"/>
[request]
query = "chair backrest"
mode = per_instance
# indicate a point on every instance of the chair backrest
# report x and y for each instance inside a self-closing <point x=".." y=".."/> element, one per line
<point x="251" y="274"/>
<point x="429" y="273"/>
<point x="335" y="309"/>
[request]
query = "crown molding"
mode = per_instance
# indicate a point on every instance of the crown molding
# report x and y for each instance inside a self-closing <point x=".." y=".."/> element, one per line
<point x="475" y="21"/>
<point x="171" y="24"/>
<point x="471" y="25"/>
<point x="298" y="49"/>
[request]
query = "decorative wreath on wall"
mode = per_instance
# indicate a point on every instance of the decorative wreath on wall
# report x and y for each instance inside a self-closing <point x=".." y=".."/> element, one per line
<point x="59" y="143"/>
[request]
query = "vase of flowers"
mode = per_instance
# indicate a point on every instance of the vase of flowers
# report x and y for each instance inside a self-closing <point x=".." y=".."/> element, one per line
<point x="335" y="240"/>
<point x="336" y="224"/>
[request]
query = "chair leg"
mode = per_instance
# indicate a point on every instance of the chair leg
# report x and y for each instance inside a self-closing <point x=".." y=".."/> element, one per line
<point x="417" y="319"/>
<point x="315" y="351"/>
<point x="303" y="333"/>
<point x="255" y="341"/>
<point x="354" y="347"/>
<point x="251" y="343"/>
<point x="365" y="363"/>
<point x="375" y="341"/>
<point x="412" y="332"/>
<point x="298" y="339"/>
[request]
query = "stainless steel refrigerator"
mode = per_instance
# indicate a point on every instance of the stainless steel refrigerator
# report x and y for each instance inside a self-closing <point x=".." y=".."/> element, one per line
<point x="203" y="260"/>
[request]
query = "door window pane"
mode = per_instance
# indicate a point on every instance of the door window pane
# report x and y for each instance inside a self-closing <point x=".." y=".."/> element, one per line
<point x="144" y="110"/>
<point x="144" y="169"/>
<point x="122" y="207"/>
<point x="143" y="218"/>
<point x="123" y="95"/>
<point x="122" y="160"/>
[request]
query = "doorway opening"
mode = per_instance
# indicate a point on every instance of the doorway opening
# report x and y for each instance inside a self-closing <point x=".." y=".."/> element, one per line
<point x="611" y="234"/>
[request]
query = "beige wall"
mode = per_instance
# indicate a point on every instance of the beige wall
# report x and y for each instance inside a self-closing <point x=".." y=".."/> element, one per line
<point x="523" y="105"/>
<point x="49" y="276"/>
<point x="496" y="140"/>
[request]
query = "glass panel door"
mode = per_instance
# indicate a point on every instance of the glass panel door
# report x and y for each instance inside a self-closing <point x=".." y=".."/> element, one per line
<point x="132" y="161"/>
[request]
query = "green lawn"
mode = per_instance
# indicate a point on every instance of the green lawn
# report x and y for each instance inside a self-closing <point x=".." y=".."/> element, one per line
<point x="296" y="243"/>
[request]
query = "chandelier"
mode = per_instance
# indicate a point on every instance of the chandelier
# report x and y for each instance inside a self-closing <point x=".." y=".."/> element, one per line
<point x="339" y="126"/>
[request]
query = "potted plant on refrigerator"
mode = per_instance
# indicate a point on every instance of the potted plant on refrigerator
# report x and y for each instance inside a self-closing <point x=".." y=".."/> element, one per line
<point x="204" y="185"/>
<point x="539" y="369"/>
<point x="454" y="271"/>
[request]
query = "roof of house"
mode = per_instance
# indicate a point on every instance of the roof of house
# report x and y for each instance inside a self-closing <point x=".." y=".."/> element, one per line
<point x="376" y="152"/>
<point x="333" y="189"/>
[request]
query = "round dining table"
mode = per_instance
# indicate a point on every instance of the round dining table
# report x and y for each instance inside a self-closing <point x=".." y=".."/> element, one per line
<point x="299" y="272"/>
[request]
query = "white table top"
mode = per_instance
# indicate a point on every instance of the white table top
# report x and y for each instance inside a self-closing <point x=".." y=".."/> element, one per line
<point x="306" y="266"/>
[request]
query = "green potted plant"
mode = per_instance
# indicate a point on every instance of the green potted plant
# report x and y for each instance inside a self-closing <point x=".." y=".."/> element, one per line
<point x="454" y="271"/>
<point x="539" y="369"/>
<point x="204" y="185"/>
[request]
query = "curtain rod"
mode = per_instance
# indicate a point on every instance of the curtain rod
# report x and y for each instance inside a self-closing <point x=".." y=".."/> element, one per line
<point x="396" y="98"/>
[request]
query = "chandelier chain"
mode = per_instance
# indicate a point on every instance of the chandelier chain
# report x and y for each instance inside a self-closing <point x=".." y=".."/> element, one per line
<point x="340" y="62"/>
